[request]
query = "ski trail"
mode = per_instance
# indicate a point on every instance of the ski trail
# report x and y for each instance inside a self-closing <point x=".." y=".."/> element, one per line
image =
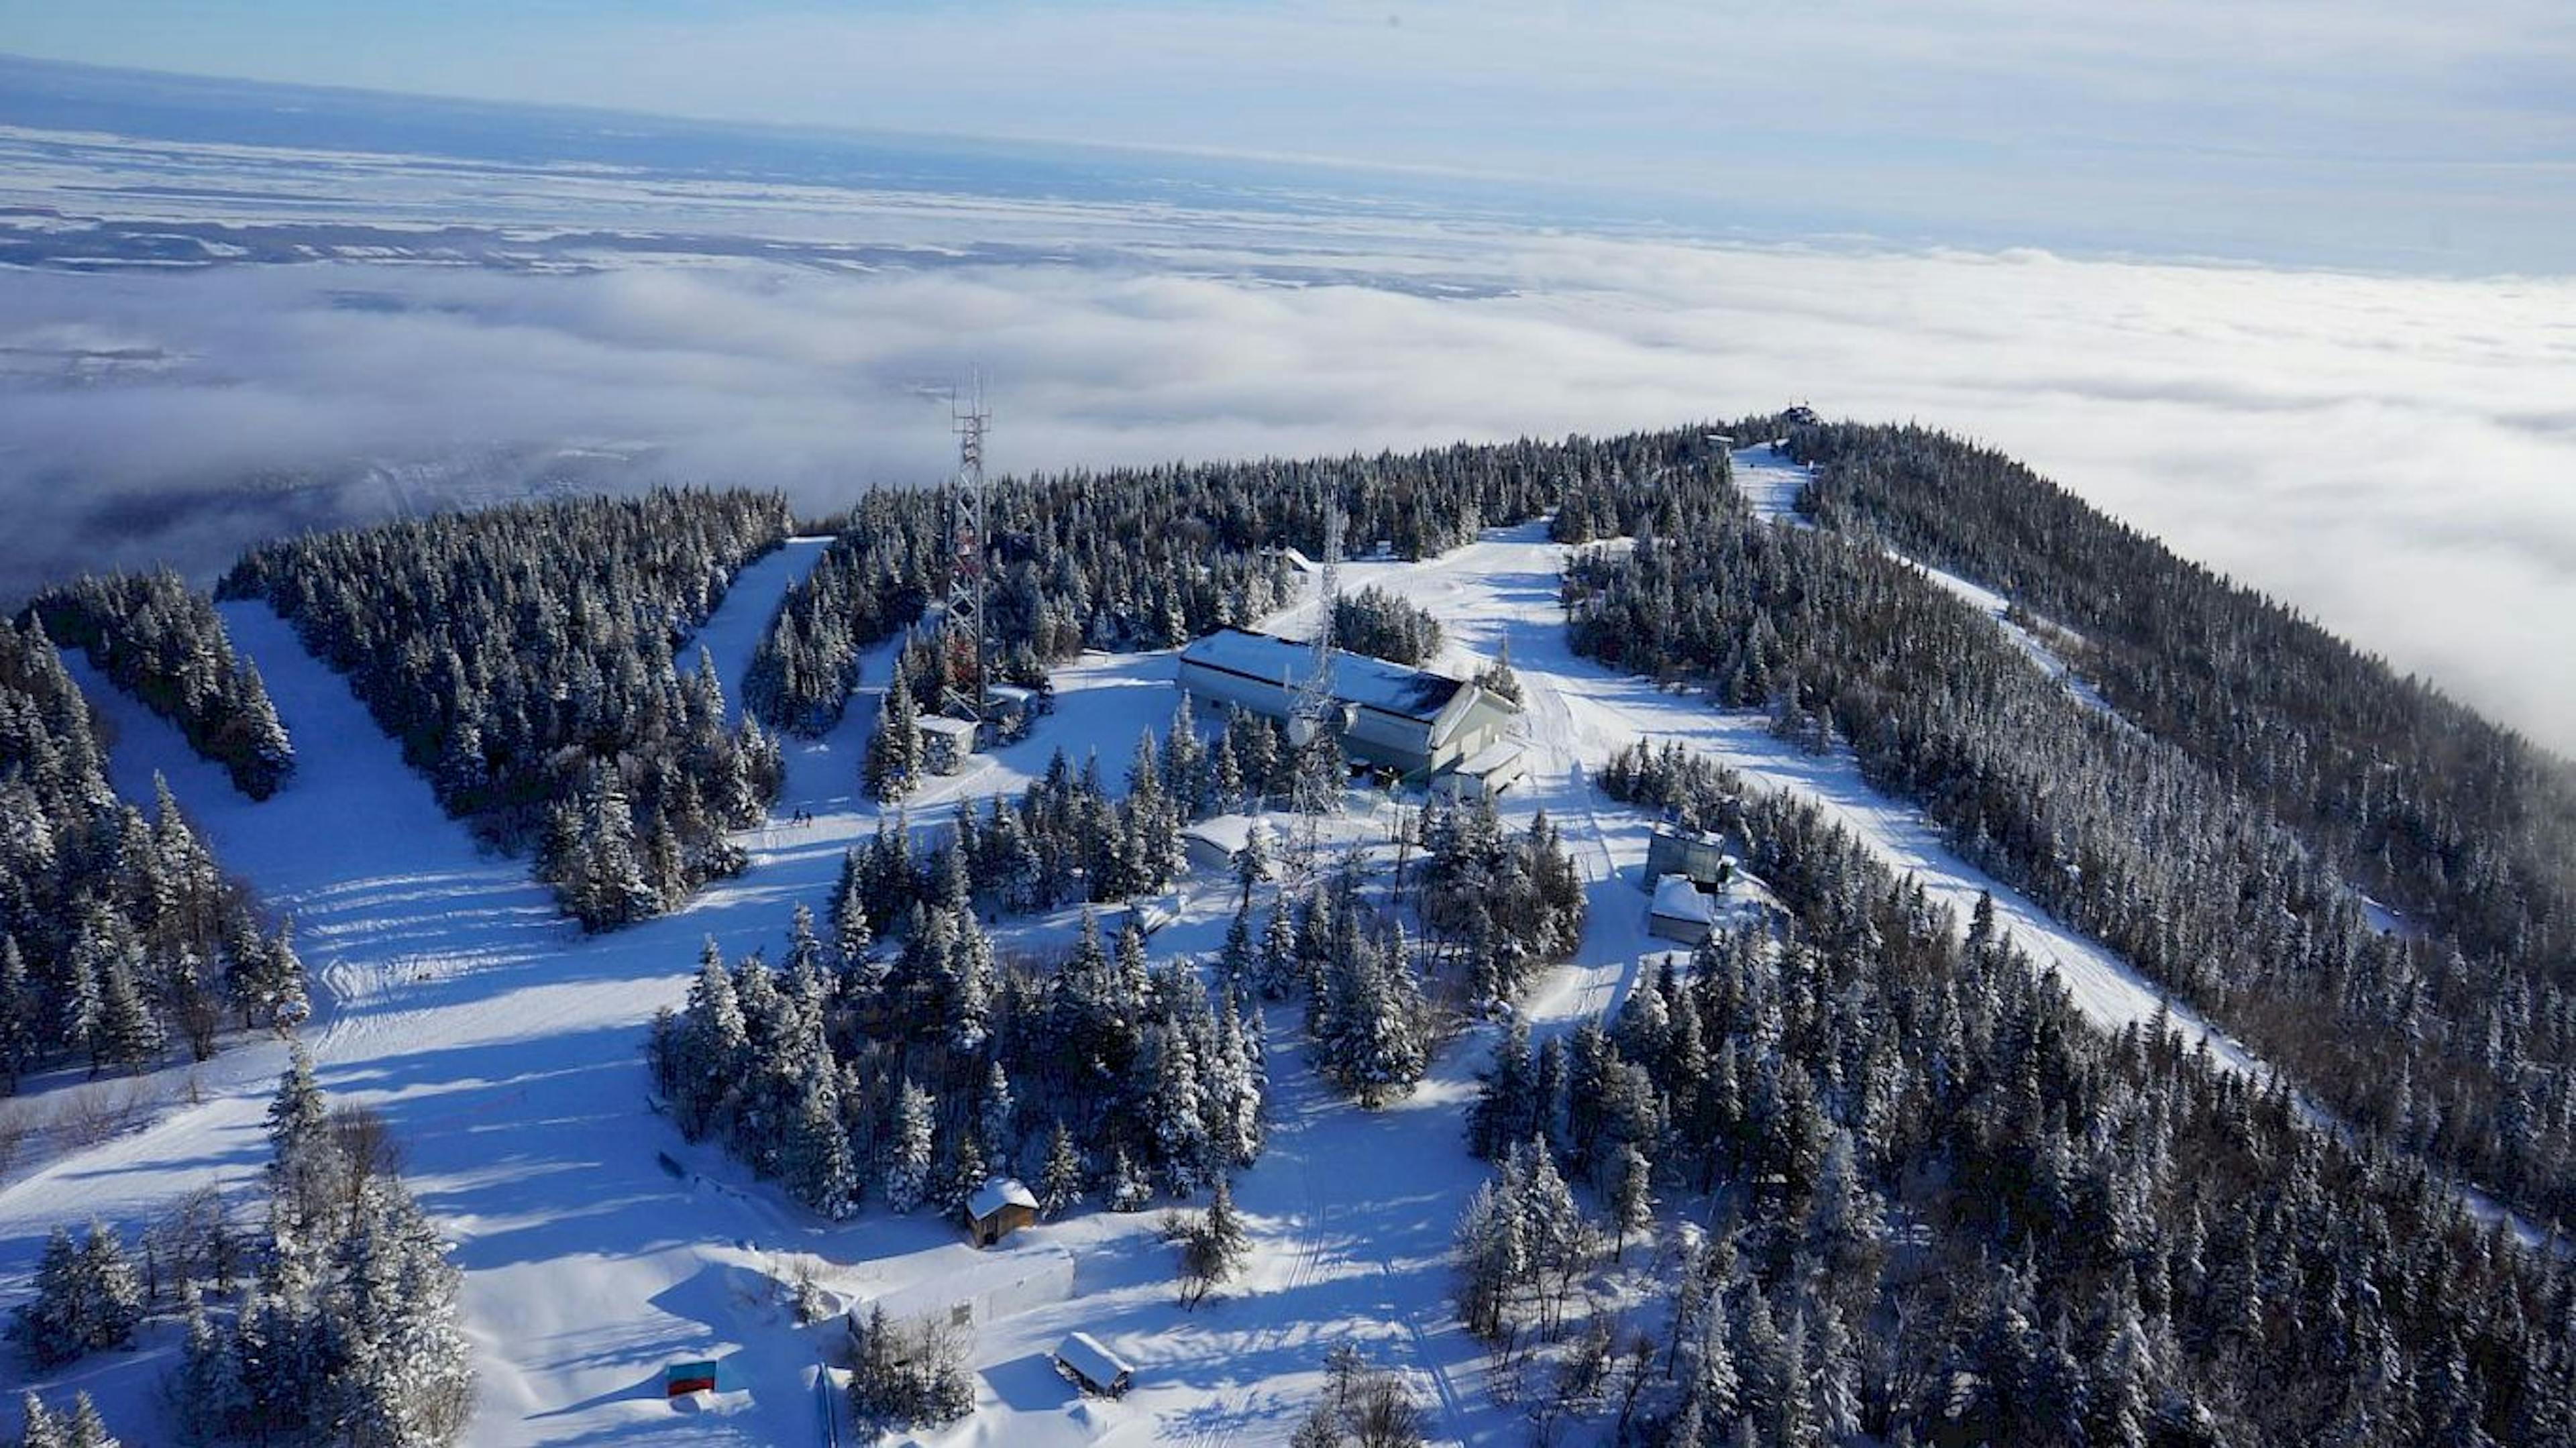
<point x="1224" y="1420"/>
<point x="499" y="1042"/>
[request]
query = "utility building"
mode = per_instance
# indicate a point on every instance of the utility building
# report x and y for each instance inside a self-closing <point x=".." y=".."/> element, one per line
<point x="1695" y="856"/>
<point x="998" y="1208"/>
<point x="946" y="743"/>
<point x="1680" y="912"/>
<point x="1412" y="721"/>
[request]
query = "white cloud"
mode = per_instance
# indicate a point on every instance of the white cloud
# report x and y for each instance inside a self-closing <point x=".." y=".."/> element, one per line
<point x="2395" y="456"/>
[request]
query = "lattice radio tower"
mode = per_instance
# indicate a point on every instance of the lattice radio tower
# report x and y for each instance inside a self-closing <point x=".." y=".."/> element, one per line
<point x="1314" y="713"/>
<point x="969" y="671"/>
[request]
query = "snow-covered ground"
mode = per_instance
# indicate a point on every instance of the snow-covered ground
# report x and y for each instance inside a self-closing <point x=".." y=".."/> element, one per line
<point x="504" y="1046"/>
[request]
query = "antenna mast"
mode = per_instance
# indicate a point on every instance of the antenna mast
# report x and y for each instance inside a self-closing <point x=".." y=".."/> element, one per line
<point x="968" y="674"/>
<point x="1314" y="712"/>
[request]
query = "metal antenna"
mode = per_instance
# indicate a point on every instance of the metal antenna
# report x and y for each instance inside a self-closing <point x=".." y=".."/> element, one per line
<point x="968" y="643"/>
<point x="1314" y="711"/>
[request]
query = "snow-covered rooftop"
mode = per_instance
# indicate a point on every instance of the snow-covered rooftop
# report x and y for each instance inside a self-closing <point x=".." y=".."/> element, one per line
<point x="1676" y="898"/>
<point x="1357" y="678"/>
<point x="942" y="724"/>
<point x="1006" y="1280"/>
<point x="1083" y="1353"/>
<point x="1228" y="832"/>
<point x="1498" y="755"/>
<point x="999" y="1192"/>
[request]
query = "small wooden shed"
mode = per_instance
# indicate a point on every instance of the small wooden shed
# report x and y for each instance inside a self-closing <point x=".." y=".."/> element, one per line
<point x="1094" y="1369"/>
<point x="998" y="1208"/>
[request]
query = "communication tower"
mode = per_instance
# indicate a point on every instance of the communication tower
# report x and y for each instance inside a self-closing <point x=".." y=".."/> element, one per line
<point x="968" y="642"/>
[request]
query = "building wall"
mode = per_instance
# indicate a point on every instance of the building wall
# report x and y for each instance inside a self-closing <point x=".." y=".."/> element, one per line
<point x="1217" y="687"/>
<point x="1673" y="854"/>
<point x="1373" y="737"/>
<point x="1672" y="927"/>
<point x="1402" y="745"/>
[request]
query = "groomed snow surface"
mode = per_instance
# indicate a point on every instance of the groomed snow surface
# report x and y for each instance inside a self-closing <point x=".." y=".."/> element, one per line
<point x="505" y="1048"/>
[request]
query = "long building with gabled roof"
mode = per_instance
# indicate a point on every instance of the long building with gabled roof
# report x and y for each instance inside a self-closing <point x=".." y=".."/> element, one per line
<point x="1413" y="721"/>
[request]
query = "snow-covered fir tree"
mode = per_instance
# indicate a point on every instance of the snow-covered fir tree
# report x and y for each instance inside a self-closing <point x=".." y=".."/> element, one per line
<point x="906" y="1173"/>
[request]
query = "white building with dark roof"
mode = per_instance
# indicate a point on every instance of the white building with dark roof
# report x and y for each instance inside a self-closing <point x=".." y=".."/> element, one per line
<point x="1412" y="721"/>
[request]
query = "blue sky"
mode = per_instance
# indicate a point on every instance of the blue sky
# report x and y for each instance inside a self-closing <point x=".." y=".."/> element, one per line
<point x="2411" y="134"/>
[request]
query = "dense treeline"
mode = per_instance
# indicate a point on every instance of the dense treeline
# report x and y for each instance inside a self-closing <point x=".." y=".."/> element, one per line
<point x="1068" y="838"/>
<point x="1502" y="906"/>
<point x="1492" y="908"/>
<point x="917" y="1072"/>
<point x="119" y="935"/>
<point x="162" y="642"/>
<point x="874" y="579"/>
<point x="1154" y="557"/>
<point x="333" y="1322"/>
<point x="1378" y="623"/>
<point x="2455" y="819"/>
<point x="2119" y="834"/>
<point x="526" y="659"/>
<point x="347" y="1329"/>
<point x="1953" y="1211"/>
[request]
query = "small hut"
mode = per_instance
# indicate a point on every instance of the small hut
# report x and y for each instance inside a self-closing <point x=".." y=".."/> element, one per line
<point x="1094" y="1369"/>
<point x="946" y="743"/>
<point x="998" y="1208"/>
<point x="1680" y="911"/>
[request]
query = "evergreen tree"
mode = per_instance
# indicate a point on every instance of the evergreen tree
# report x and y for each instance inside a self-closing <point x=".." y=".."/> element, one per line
<point x="1001" y="1136"/>
<point x="127" y="1034"/>
<point x="205" y="1391"/>
<point x="906" y="1172"/>
<point x="18" y="1016"/>
<point x="893" y="765"/>
<point x="1238" y="962"/>
<point x="1060" y="1182"/>
<point x="84" y="1428"/>
<point x="87" y="1298"/>
<point x="1213" y="1247"/>
<point x="1372" y="1027"/>
<point x="38" y="1426"/>
<point x="1279" y="969"/>
<point x="1506" y="1109"/>
<point x="1251" y="862"/>
<point x="1125" y="1190"/>
<point x="298" y="1118"/>
<point x="815" y="1158"/>
<point x="1632" y="1202"/>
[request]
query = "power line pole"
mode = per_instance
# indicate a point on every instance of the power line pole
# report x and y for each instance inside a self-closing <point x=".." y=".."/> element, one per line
<point x="967" y="674"/>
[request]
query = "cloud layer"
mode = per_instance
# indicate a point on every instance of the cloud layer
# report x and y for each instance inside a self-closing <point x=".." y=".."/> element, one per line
<point x="2397" y="457"/>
